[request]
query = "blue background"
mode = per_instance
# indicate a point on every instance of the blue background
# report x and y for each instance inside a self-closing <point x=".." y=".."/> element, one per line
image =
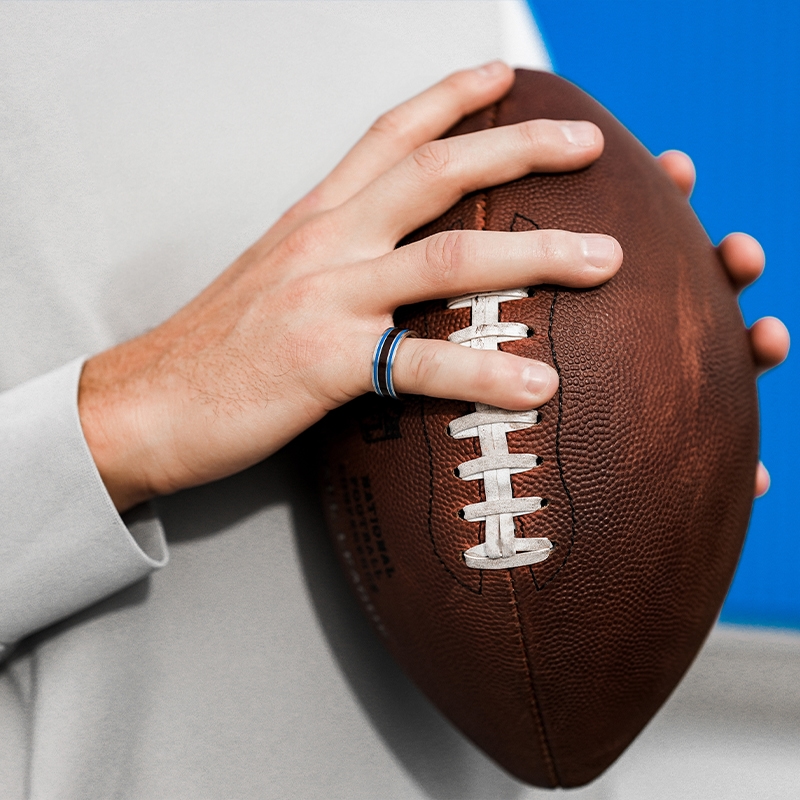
<point x="720" y="80"/>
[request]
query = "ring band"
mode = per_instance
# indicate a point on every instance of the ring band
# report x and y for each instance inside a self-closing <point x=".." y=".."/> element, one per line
<point x="383" y="358"/>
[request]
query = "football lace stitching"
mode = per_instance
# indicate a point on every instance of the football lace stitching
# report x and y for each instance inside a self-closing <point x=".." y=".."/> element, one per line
<point x="501" y="548"/>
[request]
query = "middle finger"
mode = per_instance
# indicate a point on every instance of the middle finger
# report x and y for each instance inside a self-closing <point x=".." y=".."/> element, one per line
<point x="457" y="262"/>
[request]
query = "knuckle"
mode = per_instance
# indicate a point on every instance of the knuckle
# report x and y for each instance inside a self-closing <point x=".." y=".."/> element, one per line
<point x="554" y="246"/>
<point x="300" y="344"/>
<point x="433" y="160"/>
<point x="489" y="373"/>
<point x="422" y="366"/>
<point x="392" y="125"/>
<point x="313" y="203"/>
<point x="305" y="290"/>
<point x="533" y="134"/>
<point x="303" y="209"/>
<point x="445" y="256"/>
<point x="461" y="81"/>
<point x="308" y="239"/>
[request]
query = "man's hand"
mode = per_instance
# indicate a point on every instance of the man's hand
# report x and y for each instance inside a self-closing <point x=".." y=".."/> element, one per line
<point x="287" y="332"/>
<point x="743" y="257"/>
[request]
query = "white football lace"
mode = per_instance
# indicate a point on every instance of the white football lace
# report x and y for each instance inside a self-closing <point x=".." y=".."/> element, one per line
<point x="501" y="549"/>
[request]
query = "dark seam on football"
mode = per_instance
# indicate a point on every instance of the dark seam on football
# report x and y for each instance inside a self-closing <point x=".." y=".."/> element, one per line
<point x="559" y="462"/>
<point x="482" y="199"/>
<point x="517" y="216"/>
<point x="536" y="709"/>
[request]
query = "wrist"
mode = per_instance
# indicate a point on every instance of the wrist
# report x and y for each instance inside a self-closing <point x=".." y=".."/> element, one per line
<point x="110" y="417"/>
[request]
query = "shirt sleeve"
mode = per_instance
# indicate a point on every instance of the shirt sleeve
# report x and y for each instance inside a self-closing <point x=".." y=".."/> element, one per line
<point x="63" y="546"/>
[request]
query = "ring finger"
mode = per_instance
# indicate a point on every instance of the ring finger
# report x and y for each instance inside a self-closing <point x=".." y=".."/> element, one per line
<point x="443" y="369"/>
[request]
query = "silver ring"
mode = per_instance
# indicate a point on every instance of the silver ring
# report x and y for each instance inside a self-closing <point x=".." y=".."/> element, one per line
<point x="383" y="358"/>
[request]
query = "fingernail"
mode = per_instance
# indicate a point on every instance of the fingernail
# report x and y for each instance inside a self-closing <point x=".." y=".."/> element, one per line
<point x="492" y="69"/>
<point x="582" y="134"/>
<point x="537" y="378"/>
<point x="598" y="250"/>
<point x="763" y="478"/>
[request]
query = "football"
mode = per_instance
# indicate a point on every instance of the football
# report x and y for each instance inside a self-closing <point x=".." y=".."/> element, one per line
<point x="546" y="577"/>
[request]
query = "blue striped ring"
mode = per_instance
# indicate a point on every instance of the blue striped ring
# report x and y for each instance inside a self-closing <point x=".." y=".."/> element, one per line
<point x="383" y="359"/>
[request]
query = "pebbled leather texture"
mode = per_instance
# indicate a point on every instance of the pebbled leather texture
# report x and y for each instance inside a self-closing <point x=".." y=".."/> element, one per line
<point x="648" y="451"/>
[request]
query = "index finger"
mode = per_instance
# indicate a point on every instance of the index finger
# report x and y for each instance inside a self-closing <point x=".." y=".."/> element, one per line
<point x="399" y="132"/>
<point x="396" y="134"/>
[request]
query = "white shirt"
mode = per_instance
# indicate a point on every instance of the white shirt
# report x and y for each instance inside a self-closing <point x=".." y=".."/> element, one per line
<point x="143" y="146"/>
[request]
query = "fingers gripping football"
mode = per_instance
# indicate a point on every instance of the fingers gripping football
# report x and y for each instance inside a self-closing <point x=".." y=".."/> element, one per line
<point x="442" y="369"/>
<point x="423" y="118"/>
<point x="394" y="135"/>
<point x="458" y="262"/>
<point x="287" y="332"/>
<point x="743" y="258"/>
<point x="434" y="176"/>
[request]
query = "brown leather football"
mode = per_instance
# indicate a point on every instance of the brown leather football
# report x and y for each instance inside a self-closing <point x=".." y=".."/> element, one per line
<point x="546" y="577"/>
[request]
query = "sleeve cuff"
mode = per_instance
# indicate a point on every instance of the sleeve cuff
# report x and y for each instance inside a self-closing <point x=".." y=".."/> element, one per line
<point x="63" y="546"/>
